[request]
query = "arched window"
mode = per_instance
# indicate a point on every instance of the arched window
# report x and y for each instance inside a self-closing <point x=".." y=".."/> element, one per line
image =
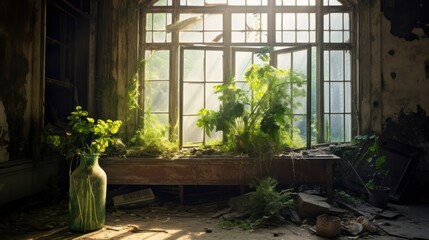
<point x="192" y="45"/>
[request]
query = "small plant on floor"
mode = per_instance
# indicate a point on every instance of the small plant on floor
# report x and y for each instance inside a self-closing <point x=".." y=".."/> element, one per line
<point x="266" y="206"/>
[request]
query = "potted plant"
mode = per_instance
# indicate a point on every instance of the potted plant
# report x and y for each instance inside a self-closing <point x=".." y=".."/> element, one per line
<point x="86" y="138"/>
<point x="376" y="179"/>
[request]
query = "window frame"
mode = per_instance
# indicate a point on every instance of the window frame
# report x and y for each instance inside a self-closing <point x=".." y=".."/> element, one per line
<point x="319" y="46"/>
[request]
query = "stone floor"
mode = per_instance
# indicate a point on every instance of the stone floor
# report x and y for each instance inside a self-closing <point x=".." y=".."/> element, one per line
<point x="35" y="220"/>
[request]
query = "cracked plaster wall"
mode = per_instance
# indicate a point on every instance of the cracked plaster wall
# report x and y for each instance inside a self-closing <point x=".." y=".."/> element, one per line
<point x="405" y="91"/>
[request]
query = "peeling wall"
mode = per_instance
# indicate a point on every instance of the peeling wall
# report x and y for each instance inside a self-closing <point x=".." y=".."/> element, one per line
<point x="404" y="65"/>
<point x="405" y="90"/>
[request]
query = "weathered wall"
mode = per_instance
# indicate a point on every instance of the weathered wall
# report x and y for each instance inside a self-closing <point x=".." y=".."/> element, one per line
<point x="394" y="74"/>
<point x="405" y="75"/>
<point x="17" y="80"/>
<point x="405" y="80"/>
<point x="117" y="50"/>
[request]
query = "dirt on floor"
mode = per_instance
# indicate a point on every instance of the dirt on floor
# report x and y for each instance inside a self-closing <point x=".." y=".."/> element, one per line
<point x="157" y="221"/>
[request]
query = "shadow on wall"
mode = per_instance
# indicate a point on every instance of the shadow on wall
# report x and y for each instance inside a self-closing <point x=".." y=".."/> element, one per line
<point x="16" y="20"/>
<point x="412" y="129"/>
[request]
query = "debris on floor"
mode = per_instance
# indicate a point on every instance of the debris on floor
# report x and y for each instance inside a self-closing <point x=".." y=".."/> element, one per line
<point x="310" y="219"/>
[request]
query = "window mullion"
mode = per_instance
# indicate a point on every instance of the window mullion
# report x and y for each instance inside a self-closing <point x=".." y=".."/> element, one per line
<point x="320" y="75"/>
<point x="174" y="91"/>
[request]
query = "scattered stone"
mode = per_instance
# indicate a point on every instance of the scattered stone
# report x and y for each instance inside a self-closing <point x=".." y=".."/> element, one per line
<point x="234" y="215"/>
<point x="241" y="203"/>
<point x="208" y="230"/>
<point x="354" y="228"/>
<point x="294" y="217"/>
<point x="311" y="205"/>
<point x="389" y="214"/>
<point x="366" y="225"/>
<point x="337" y="211"/>
<point x="221" y="213"/>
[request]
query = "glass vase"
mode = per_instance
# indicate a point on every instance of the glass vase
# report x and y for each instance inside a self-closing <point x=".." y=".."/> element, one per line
<point x="87" y="196"/>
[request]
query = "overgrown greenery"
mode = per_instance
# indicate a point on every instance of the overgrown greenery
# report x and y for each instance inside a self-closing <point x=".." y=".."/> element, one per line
<point x="258" y="120"/>
<point x="267" y="206"/>
<point x="151" y="138"/>
<point x="85" y="135"/>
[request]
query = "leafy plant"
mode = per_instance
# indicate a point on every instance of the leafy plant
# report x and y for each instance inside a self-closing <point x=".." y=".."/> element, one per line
<point x="266" y="206"/>
<point x="259" y="118"/>
<point x="377" y="163"/>
<point x="267" y="203"/>
<point x="151" y="138"/>
<point x="84" y="135"/>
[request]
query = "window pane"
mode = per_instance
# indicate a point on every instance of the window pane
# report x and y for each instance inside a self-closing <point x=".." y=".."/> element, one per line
<point x="302" y="37"/>
<point x="336" y="66"/>
<point x="289" y="37"/>
<point x="289" y="21"/>
<point x="326" y="97"/>
<point x="193" y="65"/>
<point x="301" y="104"/>
<point x="189" y="37"/>
<point x="213" y="22"/>
<point x="347" y="66"/>
<point x="159" y="37"/>
<point x="337" y="128"/>
<point x="212" y="101"/>
<point x="337" y="97"/>
<point x="336" y="21"/>
<point x="300" y="62"/>
<point x="348" y="127"/>
<point x="149" y="21"/>
<point x="156" y="65"/>
<point x="214" y="66"/>
<point x="191" y="133"/>
<point x="302" y="21"/>
<point x="158" y="95"/>
<point x="348" y="97"/>
<point x="336" y="36"/>
<point x="284" y="61"/>
<point x="159" y="21"/>
<point x="238" y="21"/>
<point x="300" y="122"/>
<point x="193" y="97"/>
<point x="243" y="60"/>
<point x="238" y="37"/>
